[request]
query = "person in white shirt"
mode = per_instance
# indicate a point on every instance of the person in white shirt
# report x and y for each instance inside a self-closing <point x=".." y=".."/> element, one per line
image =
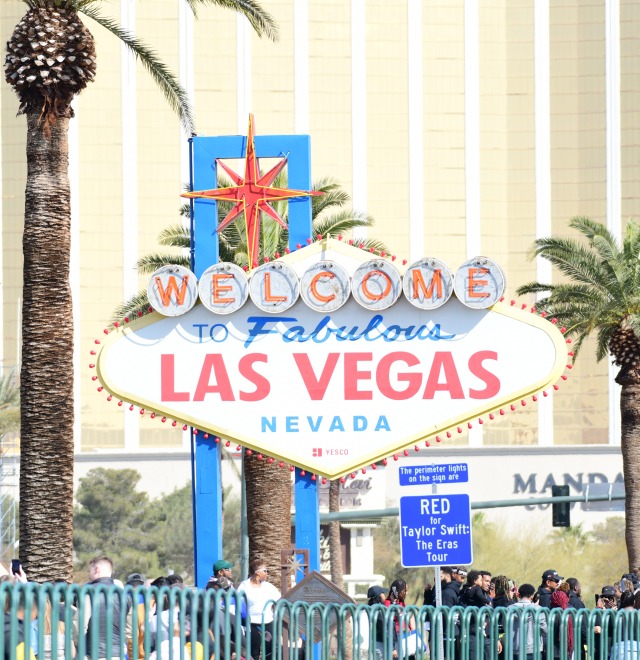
<point x="260" y="595"/>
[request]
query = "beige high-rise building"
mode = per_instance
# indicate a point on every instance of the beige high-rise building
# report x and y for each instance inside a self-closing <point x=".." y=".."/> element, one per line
<point x="463" y="127"/>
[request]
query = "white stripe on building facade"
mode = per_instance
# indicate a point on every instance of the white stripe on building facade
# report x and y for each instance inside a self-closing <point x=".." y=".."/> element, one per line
<point x="129" y="190"/>
<point x="416" y="130"/>
<point x="243" y="73"/>
<point x="542" y="113"/>
<point x="359" y="110"/>
<point x="301" y="67"/>
<point x="187" y="80"/>
<point x="472" y="147"/>
<point x="614" y="183"/>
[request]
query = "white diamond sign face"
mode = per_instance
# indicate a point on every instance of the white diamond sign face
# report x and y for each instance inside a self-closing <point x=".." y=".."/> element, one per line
<point x="331" y="391"/>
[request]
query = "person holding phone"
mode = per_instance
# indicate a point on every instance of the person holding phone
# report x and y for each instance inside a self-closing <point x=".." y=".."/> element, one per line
<point x="17" y="572"/>
<point x="605" y="600"/>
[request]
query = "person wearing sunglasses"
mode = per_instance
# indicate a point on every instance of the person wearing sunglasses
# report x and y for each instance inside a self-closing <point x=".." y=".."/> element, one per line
<point x="260" y="595"/>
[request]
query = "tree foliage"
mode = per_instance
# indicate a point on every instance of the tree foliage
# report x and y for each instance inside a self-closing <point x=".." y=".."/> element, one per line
<point x="141" y="535"/>
<point x="602" y="291"/>
<point x="114" y="518"/>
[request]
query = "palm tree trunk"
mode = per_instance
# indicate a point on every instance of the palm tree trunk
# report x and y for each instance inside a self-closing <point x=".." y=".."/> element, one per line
<point x="630" y="418"/>
<point x="268" y="513"/>
<point x="46" y="377"/>
<point x="345" y="634"/>
<point x="335" y="549"/>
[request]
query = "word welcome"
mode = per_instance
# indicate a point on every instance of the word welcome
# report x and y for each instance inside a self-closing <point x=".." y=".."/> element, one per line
<point x="326" y="286"/>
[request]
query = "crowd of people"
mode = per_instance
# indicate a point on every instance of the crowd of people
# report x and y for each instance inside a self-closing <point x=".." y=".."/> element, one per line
<point x="601" y="637"/>
<point x="163" y="623"/>
<point x="153" y="624"/>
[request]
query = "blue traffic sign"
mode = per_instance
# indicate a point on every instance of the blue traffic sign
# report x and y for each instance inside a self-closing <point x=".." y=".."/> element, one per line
<point x="435" y="530"/>
<point x="424" y="475"/>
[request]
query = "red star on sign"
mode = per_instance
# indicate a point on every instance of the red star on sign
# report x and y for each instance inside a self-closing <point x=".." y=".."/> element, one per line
<point x="252" y="195"/>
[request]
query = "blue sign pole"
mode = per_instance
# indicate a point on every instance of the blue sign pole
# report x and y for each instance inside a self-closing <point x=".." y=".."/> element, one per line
<point x="206" y="481"/>
<point x="307" y="519"/>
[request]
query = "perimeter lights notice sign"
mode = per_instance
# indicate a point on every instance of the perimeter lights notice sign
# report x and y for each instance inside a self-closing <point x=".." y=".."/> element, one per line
<point x="435" y="530"/>
<point x="424" y="475"/>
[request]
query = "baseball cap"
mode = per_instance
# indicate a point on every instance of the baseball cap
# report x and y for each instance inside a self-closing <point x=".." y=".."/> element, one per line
<point x="552" y="574"/>
<point x="220" y="564"/>
<point x="135" y="579"/>
<point x="375" y="591"/>
<point x="608" y="591"/>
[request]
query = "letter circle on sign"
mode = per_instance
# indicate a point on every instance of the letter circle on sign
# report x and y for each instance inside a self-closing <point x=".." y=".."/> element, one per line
<point x="376" y="284"/>
<point x="172" y="290"/>
<point x="224" y="288"/>
<point x="428" y="283"/>
<point x="479" y="283"/>
<point x="274" y="287"/>
<point x="325" y="286"/>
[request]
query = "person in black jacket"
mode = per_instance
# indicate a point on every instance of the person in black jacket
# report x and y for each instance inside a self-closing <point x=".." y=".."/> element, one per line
<point x="376" y="596"/>
<point x="575" y="593"/>
<point x="450" y="590"/>
<point x="446" y="582"/>
<point x="450" y="595"/>
<point x="473" y="595"/>
<point x="98" y="617"/>
<point x="550" y="582"/>
<point x="576" y="602"/>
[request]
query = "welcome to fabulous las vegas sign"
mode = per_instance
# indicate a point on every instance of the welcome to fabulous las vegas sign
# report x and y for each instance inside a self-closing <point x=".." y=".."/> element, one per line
<point x="328" y="359"/>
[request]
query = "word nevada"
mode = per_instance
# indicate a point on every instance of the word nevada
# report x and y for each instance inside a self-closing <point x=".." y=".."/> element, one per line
<point x="325" y="286"/>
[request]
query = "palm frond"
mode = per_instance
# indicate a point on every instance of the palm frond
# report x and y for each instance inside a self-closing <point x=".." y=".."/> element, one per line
<point x="175" y="236"/>
<point x="573" y="259"/>
<point x="342" y="222"/>
<point x="168" y="83"/>
<point x="135" y="306"/>
<point x="633" y="321"/>
<point x="9" y="420"/>
<point x="604" y="335"/>
<point x="565" y="293"/>
<point x="373" y="245"/>
<point x="590" y="229"/>
<point x="333" y="196"/>
<point x="151" y="262"/>
<point x="534" y="287"/>
<point x="261" y="20"/>
<point x="9" y="390"/>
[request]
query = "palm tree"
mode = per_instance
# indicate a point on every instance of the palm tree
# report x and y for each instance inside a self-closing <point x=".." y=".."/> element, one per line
<point x="602" y="296"/>
<point x="335" y="549"/>
<point x="268" y="488"/>
<point x="51" y="57"/>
